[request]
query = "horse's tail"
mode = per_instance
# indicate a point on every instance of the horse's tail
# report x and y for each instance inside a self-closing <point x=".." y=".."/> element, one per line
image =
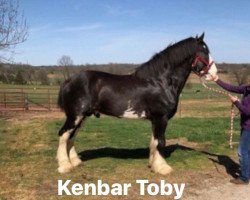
<point x="60" y="102"/>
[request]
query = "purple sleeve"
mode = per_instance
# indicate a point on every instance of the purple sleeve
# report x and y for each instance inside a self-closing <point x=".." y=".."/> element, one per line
<point x="243" y="109"/>
<point x="231" y="88"/>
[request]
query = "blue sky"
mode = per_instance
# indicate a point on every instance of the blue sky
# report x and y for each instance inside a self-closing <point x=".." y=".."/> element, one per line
<point x="131" y="31"/>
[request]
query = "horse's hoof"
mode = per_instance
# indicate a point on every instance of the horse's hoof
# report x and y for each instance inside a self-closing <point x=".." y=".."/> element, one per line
<point x="162" y="169"/>
<point x="76" y="161"/>
<point x="65" y="168"/>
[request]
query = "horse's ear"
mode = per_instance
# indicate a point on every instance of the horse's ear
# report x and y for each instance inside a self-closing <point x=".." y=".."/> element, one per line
<point x="200" y="39"/>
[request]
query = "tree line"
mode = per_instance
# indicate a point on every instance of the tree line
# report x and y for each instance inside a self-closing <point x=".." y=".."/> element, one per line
<point x="54" y="75"/>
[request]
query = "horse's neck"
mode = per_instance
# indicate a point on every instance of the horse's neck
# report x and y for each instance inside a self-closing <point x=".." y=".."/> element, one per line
<point x="177" y="79"/>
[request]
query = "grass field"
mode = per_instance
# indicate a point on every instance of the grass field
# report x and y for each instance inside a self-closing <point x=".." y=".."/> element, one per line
<point x="113" y="150"/>
<point x="37" y="97"/>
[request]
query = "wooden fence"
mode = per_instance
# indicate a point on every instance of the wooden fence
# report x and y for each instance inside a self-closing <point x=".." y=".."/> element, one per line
<point x="192" y="102"/>
<point x="36" y="99"/>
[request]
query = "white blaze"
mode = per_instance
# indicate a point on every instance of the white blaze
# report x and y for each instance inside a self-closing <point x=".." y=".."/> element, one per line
<point x="212" y="71"/>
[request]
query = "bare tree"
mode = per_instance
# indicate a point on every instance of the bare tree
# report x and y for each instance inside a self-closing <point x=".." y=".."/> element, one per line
<point x="19" y="79"/>
<point x="13" y="26"/>
<point x="42" y="76"/>
<point x="241" y="75"/>
<point x="65" y="62"/>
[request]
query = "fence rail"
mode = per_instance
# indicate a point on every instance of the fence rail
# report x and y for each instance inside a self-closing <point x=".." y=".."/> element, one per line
<point x="36" y="99"/>
<point x="192" y="102"/>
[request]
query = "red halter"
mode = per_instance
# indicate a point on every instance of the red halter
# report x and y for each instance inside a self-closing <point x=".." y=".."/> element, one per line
<point x="205" y="69"/>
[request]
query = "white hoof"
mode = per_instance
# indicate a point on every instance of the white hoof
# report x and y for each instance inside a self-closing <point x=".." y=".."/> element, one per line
<point x="65" y="168"/>
<point x="75" y="161"/>
<point x="163" y="169"/>
<point x="151" y="160"/>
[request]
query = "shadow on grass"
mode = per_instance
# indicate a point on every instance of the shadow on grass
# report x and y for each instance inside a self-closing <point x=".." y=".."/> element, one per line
<point x="232" y="168"/>
<point x="230" y="165"/>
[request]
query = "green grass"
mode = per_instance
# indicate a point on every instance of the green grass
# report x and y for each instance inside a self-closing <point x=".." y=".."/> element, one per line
<point x="132" y="134"/>
<point x="28" y="87"/>
<point x="110" y="144"/>
<point x="201" y="130"/>
<point x="109" y="147"/>
<point x="197" y="91"/>
<point x="2" y="135"/>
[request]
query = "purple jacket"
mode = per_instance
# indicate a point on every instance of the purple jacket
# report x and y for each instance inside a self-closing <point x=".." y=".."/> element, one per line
<point x="244" y="104"/>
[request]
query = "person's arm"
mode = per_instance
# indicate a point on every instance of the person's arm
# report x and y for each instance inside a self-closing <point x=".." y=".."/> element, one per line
<point x="230" y="88"/>
<point x="243" y="109"/>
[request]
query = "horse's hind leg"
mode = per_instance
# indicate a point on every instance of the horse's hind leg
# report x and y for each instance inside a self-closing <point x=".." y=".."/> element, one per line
<point x="73" y="156"/>
<point x="66" y="133"/>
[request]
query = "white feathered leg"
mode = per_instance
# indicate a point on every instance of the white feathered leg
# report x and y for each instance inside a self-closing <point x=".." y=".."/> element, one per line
<point x="156" y="161"/>
<point x="74" y="159"/>
<point x="73" y="156"/>
<point x="62" y="153"/>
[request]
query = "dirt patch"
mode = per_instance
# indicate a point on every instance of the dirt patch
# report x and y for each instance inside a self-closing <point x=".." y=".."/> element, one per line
<point x="29" y="115"/>
<point x="217" y="187"/>
<point x="184" y="142"/>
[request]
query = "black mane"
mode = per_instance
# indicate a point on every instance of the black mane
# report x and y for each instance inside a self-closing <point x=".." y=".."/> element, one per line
<point x="167" y="59"/>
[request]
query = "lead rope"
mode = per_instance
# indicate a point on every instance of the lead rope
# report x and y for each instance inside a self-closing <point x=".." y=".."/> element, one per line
<point x="232" y="114"/>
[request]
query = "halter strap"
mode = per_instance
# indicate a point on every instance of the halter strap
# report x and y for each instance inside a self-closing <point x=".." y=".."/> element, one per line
<point x="205" y="69"/>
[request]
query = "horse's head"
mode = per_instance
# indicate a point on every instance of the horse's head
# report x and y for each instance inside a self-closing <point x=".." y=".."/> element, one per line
<point x="203" y="64"/>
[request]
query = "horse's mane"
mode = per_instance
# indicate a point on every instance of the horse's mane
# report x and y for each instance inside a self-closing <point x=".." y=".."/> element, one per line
<point x="173" y="55"/>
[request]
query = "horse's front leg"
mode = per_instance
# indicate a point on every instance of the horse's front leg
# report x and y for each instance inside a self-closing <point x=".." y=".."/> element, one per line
<point x="157" y="161"/>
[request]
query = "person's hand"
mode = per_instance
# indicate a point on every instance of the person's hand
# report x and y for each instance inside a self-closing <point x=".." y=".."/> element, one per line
<point x="233" y="98"/>
<point x="215" y="77"/>
<point x="211" y="77"/>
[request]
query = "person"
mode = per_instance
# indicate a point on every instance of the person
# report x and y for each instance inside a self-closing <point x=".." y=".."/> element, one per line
<point x="244" y="146"/>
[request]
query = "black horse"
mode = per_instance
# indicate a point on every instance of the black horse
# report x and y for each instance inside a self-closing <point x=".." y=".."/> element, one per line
<point x="151" y="92"/>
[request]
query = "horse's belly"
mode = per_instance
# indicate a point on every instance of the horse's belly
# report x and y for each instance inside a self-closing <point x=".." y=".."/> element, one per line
<point x="131" y="114"/>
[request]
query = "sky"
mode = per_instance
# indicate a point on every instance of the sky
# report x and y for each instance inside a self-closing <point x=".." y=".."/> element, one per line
<point x="131" y="31"/>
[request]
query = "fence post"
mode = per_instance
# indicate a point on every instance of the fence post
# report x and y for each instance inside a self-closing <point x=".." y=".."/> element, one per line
<point x="23" y="99"/>
<point x="26" y="102"/>
<point x="4" y="99"/>
<point x="49" y="99"/>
